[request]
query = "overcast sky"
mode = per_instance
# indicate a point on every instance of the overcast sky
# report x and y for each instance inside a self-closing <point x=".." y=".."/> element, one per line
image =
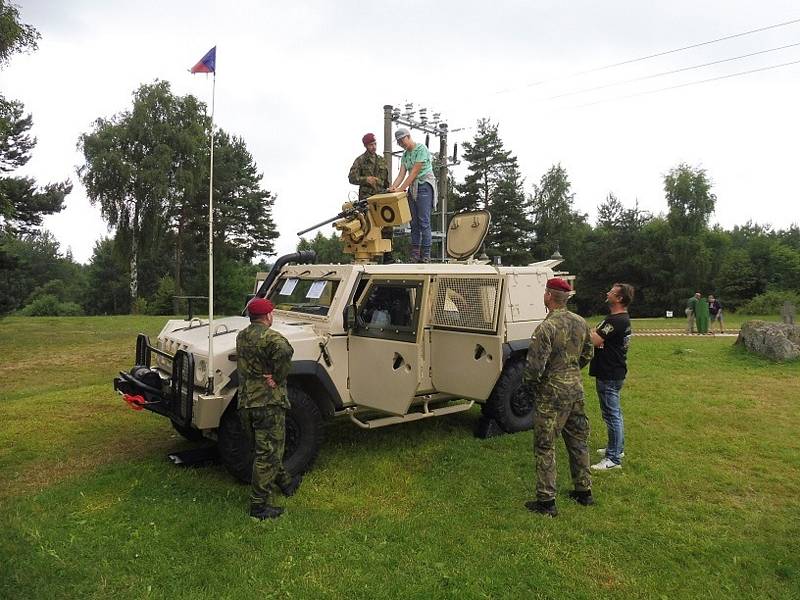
<point x="303" y="81"/>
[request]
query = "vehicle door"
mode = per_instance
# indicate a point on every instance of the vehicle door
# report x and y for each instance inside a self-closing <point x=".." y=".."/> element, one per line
<point x="466" y="343"/>
<point x="383" y="344"/>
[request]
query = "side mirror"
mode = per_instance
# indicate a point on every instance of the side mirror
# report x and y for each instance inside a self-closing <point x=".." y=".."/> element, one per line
<point x="350" y="316"/>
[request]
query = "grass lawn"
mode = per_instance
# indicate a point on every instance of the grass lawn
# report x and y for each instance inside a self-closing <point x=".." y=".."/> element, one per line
<point x="706" y="505"/>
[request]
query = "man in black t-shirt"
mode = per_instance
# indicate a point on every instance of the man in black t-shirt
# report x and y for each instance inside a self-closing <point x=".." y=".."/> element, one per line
<point x="609" y="368"/>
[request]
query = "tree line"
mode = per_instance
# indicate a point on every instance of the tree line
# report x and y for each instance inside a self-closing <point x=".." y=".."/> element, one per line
<point x="146" y="168"/>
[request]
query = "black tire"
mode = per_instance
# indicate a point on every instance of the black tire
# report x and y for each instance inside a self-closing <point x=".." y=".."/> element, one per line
<point x="189" y="433"/>
<point x="304" y="434"/>
<point x="508" y="405"/>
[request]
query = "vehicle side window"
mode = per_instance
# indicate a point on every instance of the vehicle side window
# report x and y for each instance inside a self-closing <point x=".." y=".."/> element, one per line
<point x="390" y="310"/>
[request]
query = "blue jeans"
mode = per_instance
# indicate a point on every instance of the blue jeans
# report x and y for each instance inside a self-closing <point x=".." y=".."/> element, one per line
<point x="608" y="392"/>
<point x="421" y="219"/>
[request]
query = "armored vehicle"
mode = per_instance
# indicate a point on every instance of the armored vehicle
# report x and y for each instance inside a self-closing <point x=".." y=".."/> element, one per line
<point x="378" y="344"/>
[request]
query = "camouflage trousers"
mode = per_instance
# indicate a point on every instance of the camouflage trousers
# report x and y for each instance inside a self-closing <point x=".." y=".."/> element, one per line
<point x="266" y="428"/>
<point x="554" y="416"/>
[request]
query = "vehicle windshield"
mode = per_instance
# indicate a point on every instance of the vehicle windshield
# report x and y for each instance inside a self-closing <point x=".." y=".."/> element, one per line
<point x="297" y="294"/>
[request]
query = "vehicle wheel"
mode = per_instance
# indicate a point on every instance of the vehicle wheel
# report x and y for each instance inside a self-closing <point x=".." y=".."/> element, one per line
<point x="233" y="445"/>
<point x="508" y="405"/>
<point x="189" y="433"/>
<point x="304" y="435"/>
<point x="304" y="432"/>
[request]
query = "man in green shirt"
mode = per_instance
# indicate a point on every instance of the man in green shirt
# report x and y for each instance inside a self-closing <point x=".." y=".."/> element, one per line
<point x="416" y="177"/>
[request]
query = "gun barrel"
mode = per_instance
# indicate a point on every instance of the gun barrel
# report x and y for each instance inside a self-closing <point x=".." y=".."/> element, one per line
<point x="325" y="222"/>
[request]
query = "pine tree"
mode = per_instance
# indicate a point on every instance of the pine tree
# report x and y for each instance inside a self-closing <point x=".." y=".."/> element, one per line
<point x="494" y="183"/>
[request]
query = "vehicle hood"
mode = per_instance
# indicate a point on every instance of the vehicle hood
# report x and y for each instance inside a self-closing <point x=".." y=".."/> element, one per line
<point x="178" y="335"/>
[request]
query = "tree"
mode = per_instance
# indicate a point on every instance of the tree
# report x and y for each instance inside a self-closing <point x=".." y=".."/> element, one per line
<point x="556" y="225"/>
<point x="131" y="168"/>
<point x="147" y="167"/>
<point x="487" y="161"/>
<point x="494" y="183"/>
<point x="689" y="199"/>
<point x="22" y="205"/>
<point x="15" y="37"/>
<point x="328" y="249"/>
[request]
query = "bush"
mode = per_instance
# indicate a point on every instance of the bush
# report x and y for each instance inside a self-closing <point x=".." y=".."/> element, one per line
<point x="162" y="301"/>
<point x="769" y="303"/>
<point x="139" y="306"/>
<point x="48" y="305"/>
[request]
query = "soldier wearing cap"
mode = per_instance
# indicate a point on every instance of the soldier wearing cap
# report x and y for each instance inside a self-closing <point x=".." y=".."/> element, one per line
<point x="370" y="174"/>
<point x="263" y="361"/>
<point x="560" y="347"/>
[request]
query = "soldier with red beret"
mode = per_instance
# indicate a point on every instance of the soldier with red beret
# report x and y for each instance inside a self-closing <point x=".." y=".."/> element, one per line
<point x="370" y="174"/>
<point x="263" y="360"/>
<point x="560" y="347"/>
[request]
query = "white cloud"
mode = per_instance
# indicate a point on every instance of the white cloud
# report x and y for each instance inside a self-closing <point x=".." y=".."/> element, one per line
<point x="302" y="81"/>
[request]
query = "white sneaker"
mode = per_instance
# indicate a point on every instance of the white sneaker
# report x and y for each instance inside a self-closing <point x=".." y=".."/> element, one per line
<point x="602" y="452"/>
<point x="606" y="465"/>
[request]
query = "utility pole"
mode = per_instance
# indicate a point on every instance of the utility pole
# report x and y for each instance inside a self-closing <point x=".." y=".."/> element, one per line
<point x="387" y="138"/>
<point x="436" y="127"/>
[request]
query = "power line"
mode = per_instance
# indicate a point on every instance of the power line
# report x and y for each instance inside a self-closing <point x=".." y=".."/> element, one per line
<point x="663" y="73"/>
<point x="656" y="55"/>
<point x="683" y="85"/>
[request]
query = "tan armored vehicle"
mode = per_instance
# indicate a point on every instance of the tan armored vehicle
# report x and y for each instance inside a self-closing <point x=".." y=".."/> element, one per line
<point x="376" y="344"/>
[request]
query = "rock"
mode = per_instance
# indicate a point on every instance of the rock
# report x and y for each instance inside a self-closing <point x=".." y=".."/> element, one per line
<point x="776" y="341"/>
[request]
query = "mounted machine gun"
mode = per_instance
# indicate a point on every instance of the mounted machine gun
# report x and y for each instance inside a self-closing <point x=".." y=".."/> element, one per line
<point x="360" y="223"/>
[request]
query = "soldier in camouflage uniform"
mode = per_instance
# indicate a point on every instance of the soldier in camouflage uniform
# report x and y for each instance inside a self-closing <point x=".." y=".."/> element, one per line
<point x="370" y="174"/>
<point x="263" y="361"/>
<point x="560" y="347"/>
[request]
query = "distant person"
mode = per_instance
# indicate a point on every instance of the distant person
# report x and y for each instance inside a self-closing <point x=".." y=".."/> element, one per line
<point x="701" y="315"/>
<point x="263" y="361"/>
<point x="715" y="310"/>
<point x="609" y="367"/>
<point x="370" y="174"/>
<point x="416" y="176"/>
<point x="559" y="348"/>
<point x="691" y="305"/>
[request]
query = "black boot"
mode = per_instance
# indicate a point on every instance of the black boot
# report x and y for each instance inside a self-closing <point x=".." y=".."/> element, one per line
<point x="584" y="498"/>
<point x="544" y="507"/>
<point x="288" y="489"/>
<point x="265" y="512"/>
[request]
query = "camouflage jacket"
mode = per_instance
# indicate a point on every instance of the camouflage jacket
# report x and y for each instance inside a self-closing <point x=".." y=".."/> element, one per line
<point x="560" y="347"/>
<point x="369" y="165"/>
<point x="261" y="351"/>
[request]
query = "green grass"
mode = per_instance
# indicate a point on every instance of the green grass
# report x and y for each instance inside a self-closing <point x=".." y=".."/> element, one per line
<point x="706" y="506"/>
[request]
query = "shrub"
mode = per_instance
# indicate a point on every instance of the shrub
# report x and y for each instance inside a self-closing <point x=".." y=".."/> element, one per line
<point x="48" y="305"/>
<point x="769" y="303"/>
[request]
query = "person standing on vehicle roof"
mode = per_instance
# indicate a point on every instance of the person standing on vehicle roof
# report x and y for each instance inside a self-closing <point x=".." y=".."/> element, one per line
<point x="416" y="176"/>
<point x="560" y="347"/>
<point x="609" y="367"/>
<point x="263" y="361"/>
<point x="370" y="174"/>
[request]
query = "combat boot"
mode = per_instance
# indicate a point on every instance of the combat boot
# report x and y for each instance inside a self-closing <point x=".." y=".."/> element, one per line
<point x="543" y="507"/>
<point x="265" y="512"/>
<point x="584" y="498"/>
<point x="289" y="489"/>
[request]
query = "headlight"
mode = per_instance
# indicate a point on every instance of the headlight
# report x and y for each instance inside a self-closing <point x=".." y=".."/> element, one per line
<point x="201" y="372"/>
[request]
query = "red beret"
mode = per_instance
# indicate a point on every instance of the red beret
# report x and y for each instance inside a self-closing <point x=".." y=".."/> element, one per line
<point x="556" y="283"/>
<point x="259" y="306"/>
<point x="368" y="138"/>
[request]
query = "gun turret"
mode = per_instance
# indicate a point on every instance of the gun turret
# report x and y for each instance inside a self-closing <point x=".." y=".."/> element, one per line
<point x="349" y="210"/>
<point x="360" y="223"/>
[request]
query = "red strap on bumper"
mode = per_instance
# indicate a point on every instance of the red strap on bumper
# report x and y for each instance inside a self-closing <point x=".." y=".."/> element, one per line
<point x="135" y="402"/>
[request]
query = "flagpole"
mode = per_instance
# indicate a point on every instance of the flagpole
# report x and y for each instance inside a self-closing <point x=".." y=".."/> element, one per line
<point x="211" y="247"/>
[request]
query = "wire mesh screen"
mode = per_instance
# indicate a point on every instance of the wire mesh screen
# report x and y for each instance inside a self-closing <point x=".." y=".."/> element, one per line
<point x="470" y="303"/>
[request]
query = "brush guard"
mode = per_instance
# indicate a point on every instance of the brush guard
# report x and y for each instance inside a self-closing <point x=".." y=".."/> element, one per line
<point x="144" y="388"/>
